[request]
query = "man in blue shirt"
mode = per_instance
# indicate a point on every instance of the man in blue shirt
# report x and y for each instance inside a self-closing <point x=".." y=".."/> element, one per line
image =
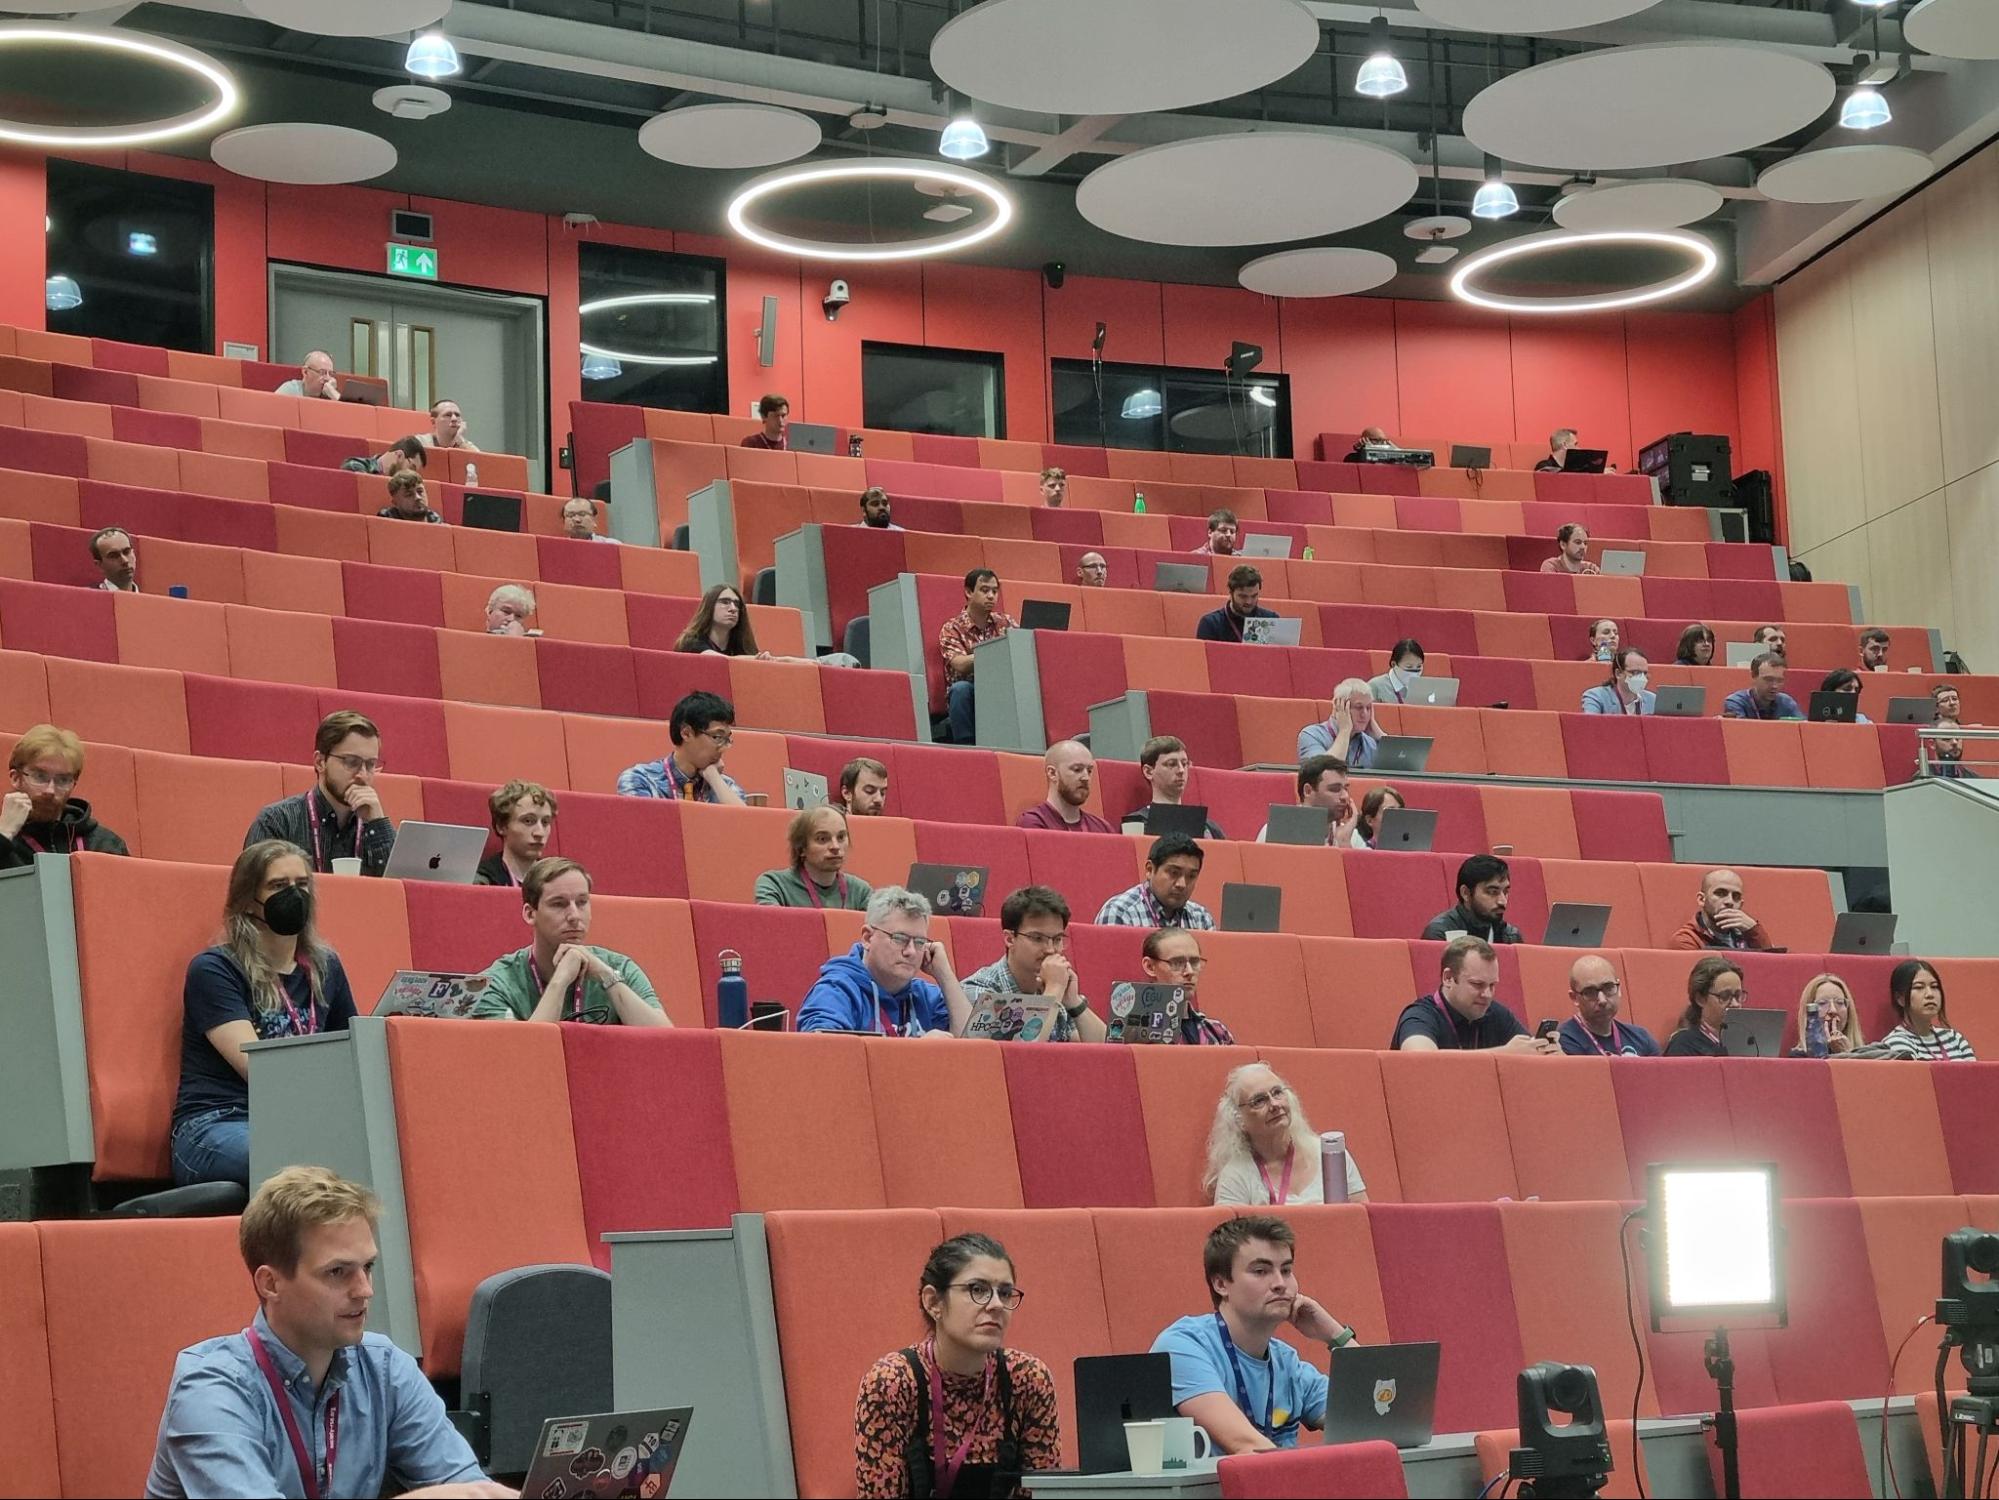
<point x="702" y="729"/>
<point x="1245" y="596"/>
<point x="1247" y="1388"/>
<point x="1765" y="697"/>
<point x="878" y="985"/>
<point x="303" y="1402"/>
<point x="1594" y="1030"/>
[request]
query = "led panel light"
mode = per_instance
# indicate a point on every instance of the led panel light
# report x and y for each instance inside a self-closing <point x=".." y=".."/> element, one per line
<point x="917" y="173"/>
<point x="1715" y="1243"/>
<point x="128" y="44"/>
<point x="1705" y="262"/>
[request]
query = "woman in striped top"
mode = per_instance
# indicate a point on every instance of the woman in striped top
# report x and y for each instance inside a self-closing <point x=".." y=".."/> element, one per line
<point x="1916" y="991"/>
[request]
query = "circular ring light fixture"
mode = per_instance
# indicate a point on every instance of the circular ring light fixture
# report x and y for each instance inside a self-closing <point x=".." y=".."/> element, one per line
<point x="1705" y="263"/>
<point x="918" y="174"/>
<point x="102" y="137"/>
<point x="644" y="299"/>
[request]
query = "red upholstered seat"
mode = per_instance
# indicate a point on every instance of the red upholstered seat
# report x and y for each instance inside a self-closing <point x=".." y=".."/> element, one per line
<point x="1305" y="1473"/>
<point x="1833" y="1345"/>
<point x="413" y="737"/>
<point x="1393" y="895"/>
<point x="1794" y="1451"/>
<point x="1090" y="868"/>
<point x="1782" y="1111"/>
<point x="410" y="596"/>
<point x="1967" y="1103"/>
<point x="581" y="677"/>
<point x="1045" y="1086"/>
<point x="1481" y="1355"/>
<point x="374" y="656"/>
<point x="229" y="717"/>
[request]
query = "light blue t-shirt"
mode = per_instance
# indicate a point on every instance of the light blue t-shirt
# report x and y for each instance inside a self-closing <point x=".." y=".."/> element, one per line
<point x="1201" y="1365"/>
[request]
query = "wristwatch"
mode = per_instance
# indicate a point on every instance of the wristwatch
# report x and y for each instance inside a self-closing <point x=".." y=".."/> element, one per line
<point x="1076" y="1014"/>
<point x="1345" y="1338"/>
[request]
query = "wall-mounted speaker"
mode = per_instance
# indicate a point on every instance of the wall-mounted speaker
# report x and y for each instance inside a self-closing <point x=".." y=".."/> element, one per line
<point x="767" y="334"/>
<point x="408" y="224"/>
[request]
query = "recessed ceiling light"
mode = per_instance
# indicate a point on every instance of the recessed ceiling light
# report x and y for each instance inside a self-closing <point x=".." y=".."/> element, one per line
<point x="1436" y="255"/>
<point x="97" y="137"/>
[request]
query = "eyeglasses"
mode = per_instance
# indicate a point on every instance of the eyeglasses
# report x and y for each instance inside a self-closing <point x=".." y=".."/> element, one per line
<point x="357" y="764"/>
<point x="1051" y="940"/>
<point x="1271" y="1096"/>
<point x="1610" y="989"/>
<point x="983" y="1293"/>
<point x="905" y="942"/>
<point x="1182" y="965"/>
<point x="723" y="738"/>
<point x="1728" y="997"/>
<point x="37" y="777"/>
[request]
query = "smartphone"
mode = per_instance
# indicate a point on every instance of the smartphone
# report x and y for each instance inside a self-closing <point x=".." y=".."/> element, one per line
<point x="1547" y="1028"/>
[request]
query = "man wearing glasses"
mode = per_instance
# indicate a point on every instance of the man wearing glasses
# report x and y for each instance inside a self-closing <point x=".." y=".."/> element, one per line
<point x="879" y="986"/>
<point x="702" y="728"/>
<point x="1034" y="925"/>
<point x="341" y="816"/>
<point x="1172" y="955"/>
<point x="38" y="815"/>
<point x="1594" y="1030"/>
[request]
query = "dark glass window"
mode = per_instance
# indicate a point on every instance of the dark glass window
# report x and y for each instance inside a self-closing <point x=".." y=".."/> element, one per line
<point x="652" y="328"/>
<point x="956" y="392"/>
<point x="139" y="250"/>
<point x="1172" y="410"/>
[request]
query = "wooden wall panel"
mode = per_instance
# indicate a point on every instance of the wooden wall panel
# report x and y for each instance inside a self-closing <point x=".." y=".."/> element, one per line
<point x="1894" y="364"/>
<point x="1963" y="223"/>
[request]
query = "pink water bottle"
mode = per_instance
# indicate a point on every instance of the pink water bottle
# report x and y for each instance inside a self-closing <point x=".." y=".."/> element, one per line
<point x="1333" y="1165"/>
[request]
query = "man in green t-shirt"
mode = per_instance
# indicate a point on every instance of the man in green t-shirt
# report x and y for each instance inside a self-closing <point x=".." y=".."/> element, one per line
<point x="818" y="874"/>
<point x="559" y="977"/>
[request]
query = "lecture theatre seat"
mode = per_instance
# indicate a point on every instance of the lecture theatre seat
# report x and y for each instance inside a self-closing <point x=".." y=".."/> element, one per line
<point x="1357" y="1469"/>
<point x="1629" y="1478"/>
<point x="1787" y="1452"/>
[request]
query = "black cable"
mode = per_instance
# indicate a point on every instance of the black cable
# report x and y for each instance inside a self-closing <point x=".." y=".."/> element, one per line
<point x="1887" y="1461"/>
<point x="1637" y="1345"/>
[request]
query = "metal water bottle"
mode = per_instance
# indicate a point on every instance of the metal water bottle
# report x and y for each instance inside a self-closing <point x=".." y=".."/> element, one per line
<point x="1815" y="1045"/>
<point x="1333" y="1165"/>
<point x="471" y="473"/>
<point x="732" y="992"/>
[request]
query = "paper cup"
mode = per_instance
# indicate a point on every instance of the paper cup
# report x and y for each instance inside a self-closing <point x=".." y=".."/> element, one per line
<point x="346" y="865"/>
<point x="1145" y="1442"/>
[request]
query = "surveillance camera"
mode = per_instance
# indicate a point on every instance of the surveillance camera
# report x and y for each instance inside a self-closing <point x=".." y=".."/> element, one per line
<point x="837" y="297"/>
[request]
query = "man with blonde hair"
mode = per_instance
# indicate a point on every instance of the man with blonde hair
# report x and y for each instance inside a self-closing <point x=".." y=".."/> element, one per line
<point x="39" y="815"/>
<point x="523" y="815"/>
<point x="508" y="609"/>
<point x="559" y="976"/>
<point x="1350" y="732"/>
<point x="1054" y="487"/>
<point x="304" y="1401"/>
<point x="817" y="875"/>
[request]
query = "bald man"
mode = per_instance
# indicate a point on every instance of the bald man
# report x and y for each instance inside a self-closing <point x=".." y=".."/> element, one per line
<point x="1092" y="572"/>
<point x="1594" y="1030"/>
<point x="1071" y="770"/>
<point x="315" y="379"/>
<point x="1720" y="920"/>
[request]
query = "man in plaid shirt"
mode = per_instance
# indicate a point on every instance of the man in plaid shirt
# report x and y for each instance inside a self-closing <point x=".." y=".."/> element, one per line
<point x="1165" y="897"/>
<point x="980" y="620"/>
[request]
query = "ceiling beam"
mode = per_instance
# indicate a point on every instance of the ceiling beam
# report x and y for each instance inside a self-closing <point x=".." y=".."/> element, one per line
<point x="1086" y="131"/>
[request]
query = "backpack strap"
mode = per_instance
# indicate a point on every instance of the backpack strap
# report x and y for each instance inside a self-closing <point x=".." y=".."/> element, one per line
<point x="916" y="1459"/>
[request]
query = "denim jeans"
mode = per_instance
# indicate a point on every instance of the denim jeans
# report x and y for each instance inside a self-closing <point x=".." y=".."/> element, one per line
<point x="964" y="722"/>
<point x="213" y="1146"/>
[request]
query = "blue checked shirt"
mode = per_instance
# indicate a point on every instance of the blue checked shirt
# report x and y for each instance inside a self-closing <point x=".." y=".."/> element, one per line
<point x="662" y="778"/>
<point x="1138" y="907"/>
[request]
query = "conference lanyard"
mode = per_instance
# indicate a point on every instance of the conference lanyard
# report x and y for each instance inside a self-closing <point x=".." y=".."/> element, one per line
<point x="307" y="1474"/>
<point x="888" y="1027"/>
<point x="304" y="1027"/>
<point x="1710" y="1033"/>
<point x="1616" y="1047"/>
<point x="575" y="991"/>
<point x="1242" y="1385"/>
<point x="812" y="888"/>
<point x="946" y="1460"/>
<point x="1278" y="1195"/>
<point x="312" y="826"/>
<point x="40" y="848"/>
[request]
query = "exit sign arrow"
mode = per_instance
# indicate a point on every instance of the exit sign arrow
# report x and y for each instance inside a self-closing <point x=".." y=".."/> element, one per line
<point x="413" y="261"/>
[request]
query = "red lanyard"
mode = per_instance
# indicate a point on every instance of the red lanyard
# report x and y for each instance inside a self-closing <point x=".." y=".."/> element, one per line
<point x="36" y="844"/>
<point x="299" y="1028"/>
<point x="1279" y="1196"/>
<point x="308" y="1475"/>
<point x="946" y="1460"/>
<point x="812" y="888"/>
<point x="1710" y="1033"/>
<point x="312" y="826"/>
<point x="1613" y="1050"/>
<point x="575" y="993"/>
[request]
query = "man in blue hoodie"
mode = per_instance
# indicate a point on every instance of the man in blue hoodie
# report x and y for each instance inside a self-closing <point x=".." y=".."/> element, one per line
<point x="878" y="984"/>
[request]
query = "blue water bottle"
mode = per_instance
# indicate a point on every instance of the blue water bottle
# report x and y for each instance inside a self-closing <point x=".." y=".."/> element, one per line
<point x="1815" y="1044"/>
<point x="732" y="993"/>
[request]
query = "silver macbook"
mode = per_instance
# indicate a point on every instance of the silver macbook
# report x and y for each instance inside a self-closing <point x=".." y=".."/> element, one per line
<point x="1410" y="829"/>
<point x="1629" y="564"/>
<point x="803" y="789"/>
<point x="1147" y="1014"/>
<point x="1282" y="631"/>
<point x="1432" y="692"/>
<point x="1679" y="702"/>
<point x="1265" y="544"/>
<point x="1401" y="752"/>
<point x="1576" y="924"/>
<point x="1742" y="653"/>
<point x="1292" y="824"/>
<point x="1251" y="908"/>
<point x="1012" y="1018"/>
<point x="1180" y="578"/>
<point x="412" y="992"/>
<point x="446" y="853"/>
<point x="1863" y="932"/>
<point x="1753" y="1033"/>
<point x="1384" y="1392"/>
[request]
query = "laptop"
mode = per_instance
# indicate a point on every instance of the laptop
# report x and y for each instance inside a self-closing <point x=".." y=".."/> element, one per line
<point x="1044" y="614"/>
<point x="1912" y="710"/>
<point x="1411" y="829"/>
<point x="364" y="392"/>
<point x="1385" y="1392"/>
<point x="1679" y="702"/>
<point x="952" y="890"/>
<point x="1180" y="578"/>
<point x="1265" y="544"/>
<point x="1292" y="824"/>
<point x="1833" y="708"/>
<point x="1753" y="1033"/>
<point x="1251" y="908"/>
<point x="1151" y="1015"/>
<point x="1190" y="818"/>
<point x="811" y="437"/>
<point x="1401" y="752"/>
<point x="1576" y="924"/>
<point x="1742" y="653"/>
<point x="493" y="512"/>
<point x="1111" y="1390"/>
<point x="412" y="992"/>
<point x="803" y="789"/>
<point x="1863" y="932"/>
<point x="621" y="1455"/>
<point x="1465" y="456"/>
<point x="1433" y="692"/>
<point x="1282" y="631"/>
<point x="1585" y="460"/>
<point x="1626" y="564"/>
<point x="1012" y="1018"/>
<point x="447" y="853"/>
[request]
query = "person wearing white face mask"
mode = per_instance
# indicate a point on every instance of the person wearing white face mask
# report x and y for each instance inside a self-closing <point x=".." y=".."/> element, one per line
<point x="1625" y="693"/>
<point x="1392" y="686"/>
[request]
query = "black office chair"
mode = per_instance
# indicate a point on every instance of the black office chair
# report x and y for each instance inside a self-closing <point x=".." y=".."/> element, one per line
<point x="679" y="542"/>
<point x="763" y="587"/>
<point x="198" y="1200"/>
<point x="856" y="642"/>
<point x="537" y="1344"/>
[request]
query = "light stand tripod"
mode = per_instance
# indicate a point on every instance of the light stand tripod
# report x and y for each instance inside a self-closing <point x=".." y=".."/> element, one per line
<point x="1977" y="1411"/>
<point x="1721" y="1370"/>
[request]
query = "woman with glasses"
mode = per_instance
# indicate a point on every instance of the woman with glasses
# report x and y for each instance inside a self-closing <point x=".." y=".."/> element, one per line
<point x="1915" y="989"/>
<point x="1826" y="998"/>
<point x="1172" y="956"/>
<point x="38" y="815"/>
<point x="269" y="976"/>
<point x="1263" y="1150"/>
<point x="1714" y="988"/>
<point x="955" y="1413"/>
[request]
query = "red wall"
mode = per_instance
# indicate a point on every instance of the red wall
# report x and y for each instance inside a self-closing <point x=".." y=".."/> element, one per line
<point x="1429" y="370"/>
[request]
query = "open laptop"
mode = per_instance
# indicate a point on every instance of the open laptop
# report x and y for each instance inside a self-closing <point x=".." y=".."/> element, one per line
<point x="621" y="1455"/>
<point x="1576" y="924"/>
<point x="952" y="890"/>
<point x="1410" y="829"/>
<point x="1291" y="824"/>
<point x="1625" y="564"/>
<point x="1151" y="1013"/>
<point x="1251" y="908"/>
<point x="1679" y="702"/>
<point x="493" y="512"/>
<point x="1111" y="1390"/>
<point x="413" y="992"/>
<point x="1180" y="578"/>
<point x="1384" y="1392"/>
<point x="1833" y="708"/>
<point x="447" y="853"/>
<point x="1863" y="932"/>
<point x="803" y="789"/>
<point x="1044" y="614"/>
<point x="1012" y="1018"/>
<point x="1753" y="1033"/>
<point x="1585" y="460"/>
<point x="1190" y="818"/>
<point x="1282" y="631"/>
<point x="1465" y="456"/>
<point x="1401" y="752"/>
<point x="1912" y="710"/>
<point x="811" y="437"/>
<point x="1742" y="653"/>
<point x="1266" y="544"/>
<point x="1432" y="692"/>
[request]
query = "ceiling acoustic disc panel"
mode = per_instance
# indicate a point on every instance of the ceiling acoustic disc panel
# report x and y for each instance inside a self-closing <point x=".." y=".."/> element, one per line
<point x="52" y="7"/>
<point x="1952" y="28"/>
<point x="734" y="135"/>
<point x="1653" y="203"/>
<point x="1624" y="108"/>
<point x="349" y="17"/>
<point x="1322" y="271"/>
<point x="1524" y="16"/>
<point x="1246" y="188"/>
<point x="1100" y="57"/>
<point x="303" y="152"/>
<point x="1844" y="174"/>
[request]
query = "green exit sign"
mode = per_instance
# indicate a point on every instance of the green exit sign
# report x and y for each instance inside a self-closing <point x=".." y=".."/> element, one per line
<point x="414" y="261"/>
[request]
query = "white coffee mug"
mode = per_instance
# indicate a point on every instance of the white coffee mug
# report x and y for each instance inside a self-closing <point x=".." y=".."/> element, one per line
<point x="1185" y="1442"/>
<point x="1145" y="1443"/>
<point x="346" y="864"/>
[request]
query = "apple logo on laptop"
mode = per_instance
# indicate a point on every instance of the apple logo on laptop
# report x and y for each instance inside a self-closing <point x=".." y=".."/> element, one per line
<point x="436" y="861"/>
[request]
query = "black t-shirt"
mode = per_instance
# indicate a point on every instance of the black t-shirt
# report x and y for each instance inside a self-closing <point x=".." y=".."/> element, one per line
<point x="493" y="871"/>
<point x="1433" y="1017"/>
<point x="216" y="993"/>
<point x="1691" y="1041"/>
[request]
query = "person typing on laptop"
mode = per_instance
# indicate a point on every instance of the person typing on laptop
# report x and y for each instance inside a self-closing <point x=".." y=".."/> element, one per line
<point x="1765" y="697"/>
<point x="1322" y="782"/>
<point x="896" y="981"/>
<point x="340" y="817"/>
<point x="1572" y="552"/>
<point x="1167" y="768"/>
<point x="559" y="976"/>
<point x="1034" y="926"/>
<point x="1165" y="897"/>
<point x="1465" y="1013"/>
<point x="1071" y="770"/>
<point x="1560" y="441"/>
<point x="1246" y="1387"/>
<point x="1845" y="680"/>
<point x="1714" y="988"/>
<point x="1405" y="665"/>
<point x="523" y="814"/>
<point x="1349" y="732"/>
<point x="1484" y="887"/>
<point x="1720" y="920"/>
<point x="1245" y="592"/>
<point x="1594" y="1030"/>
<point x="817" y="875"/>
<point x="1262" y="1149"/>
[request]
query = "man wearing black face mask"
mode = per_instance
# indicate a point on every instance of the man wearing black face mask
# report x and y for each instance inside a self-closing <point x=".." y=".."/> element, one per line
<point x="270" y="976"/>
<point x="341" y="818"/>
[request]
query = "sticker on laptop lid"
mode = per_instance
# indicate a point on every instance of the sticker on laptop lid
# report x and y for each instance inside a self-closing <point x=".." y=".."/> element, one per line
<point x="565" y="1437"/>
